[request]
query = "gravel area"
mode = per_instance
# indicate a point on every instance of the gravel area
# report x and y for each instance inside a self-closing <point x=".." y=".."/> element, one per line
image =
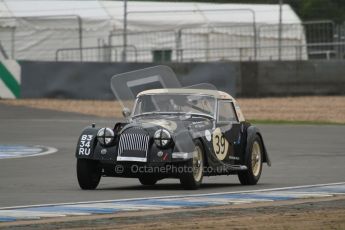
<point x="329" y="109"/>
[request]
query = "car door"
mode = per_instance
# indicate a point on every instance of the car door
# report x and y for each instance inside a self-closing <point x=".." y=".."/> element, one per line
<point x="227" y="133"/>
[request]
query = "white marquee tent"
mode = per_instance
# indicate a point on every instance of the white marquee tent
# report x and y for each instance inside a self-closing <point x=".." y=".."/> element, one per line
<point x="35" y="30"/>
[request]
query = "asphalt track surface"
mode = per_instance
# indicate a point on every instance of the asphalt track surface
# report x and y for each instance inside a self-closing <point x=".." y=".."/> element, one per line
<point x="301" y="155"/>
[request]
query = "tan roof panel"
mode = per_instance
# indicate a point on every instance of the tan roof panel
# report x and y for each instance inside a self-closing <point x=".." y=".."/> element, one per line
<point x="214" y="93"/>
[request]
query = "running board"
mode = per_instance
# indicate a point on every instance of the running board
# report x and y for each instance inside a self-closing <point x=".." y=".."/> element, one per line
<point x="227" y="170"/>
<point x="238" y="167"/>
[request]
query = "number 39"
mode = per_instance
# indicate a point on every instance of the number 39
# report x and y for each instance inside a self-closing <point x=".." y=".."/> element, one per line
<point x="220" y="144"/>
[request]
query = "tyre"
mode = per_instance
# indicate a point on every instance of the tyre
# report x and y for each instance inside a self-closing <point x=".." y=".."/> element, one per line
<point x="147" y="180"/>
<point x="253" y="161"/>
<point x="192" y="179"/>
<point x="89" y="173"/>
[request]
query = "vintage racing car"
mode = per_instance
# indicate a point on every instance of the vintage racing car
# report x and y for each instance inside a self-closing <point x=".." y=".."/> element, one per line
<point x="183" y="133"/>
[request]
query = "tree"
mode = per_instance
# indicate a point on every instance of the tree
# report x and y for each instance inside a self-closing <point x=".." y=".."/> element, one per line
<point x="306" y="9"/>
<point x="323" y="10"/>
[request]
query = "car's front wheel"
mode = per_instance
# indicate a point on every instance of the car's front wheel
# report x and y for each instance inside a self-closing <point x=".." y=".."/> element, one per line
<point x="191" y="177"/>
<point x="253" y="161"/>
<point x="89" y="173"/>
<point x="147" y="180"/>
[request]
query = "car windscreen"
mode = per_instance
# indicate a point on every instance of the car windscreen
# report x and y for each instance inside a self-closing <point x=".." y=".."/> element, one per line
<point x="175" y="103"/>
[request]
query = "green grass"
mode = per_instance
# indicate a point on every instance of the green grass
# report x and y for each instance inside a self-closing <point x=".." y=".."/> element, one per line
<point x="286" y="122"/>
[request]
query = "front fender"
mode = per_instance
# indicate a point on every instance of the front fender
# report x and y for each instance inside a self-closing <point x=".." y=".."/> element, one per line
<point x="183" y="141"/>
<point x="86" y="143"/>
<point x="251" y="132"/>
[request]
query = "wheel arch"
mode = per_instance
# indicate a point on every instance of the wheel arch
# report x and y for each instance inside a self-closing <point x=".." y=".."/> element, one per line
<point x="204" y="147"/>
<point x="251" y="132"/>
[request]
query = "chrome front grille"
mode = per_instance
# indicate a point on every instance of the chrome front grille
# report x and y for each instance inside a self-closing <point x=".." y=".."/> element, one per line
<point x="133" y="142"/>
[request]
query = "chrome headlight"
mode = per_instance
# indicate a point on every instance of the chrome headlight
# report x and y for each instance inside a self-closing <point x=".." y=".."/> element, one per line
<point x="105" y="136"/>
<point x="162" y="137"/>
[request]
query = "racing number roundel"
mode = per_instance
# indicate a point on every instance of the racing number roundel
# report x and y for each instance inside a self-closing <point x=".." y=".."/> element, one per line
<point x="220" y="144"/>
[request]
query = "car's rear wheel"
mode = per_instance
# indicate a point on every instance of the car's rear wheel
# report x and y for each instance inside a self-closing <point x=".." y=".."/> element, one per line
<point x="89" y="173"/>
<point x="147" y="180"/>
<point x="191" y="177"/>
<point x="253" y="161"/>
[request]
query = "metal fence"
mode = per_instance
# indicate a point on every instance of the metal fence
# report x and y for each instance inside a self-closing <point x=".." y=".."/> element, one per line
<point x="26" y="38"/>
<point x="102" y="53"/>
<point x="335" y="50"/>
<point x="33" y="38"/>
<point x="209" y="43"/>
<point x="309" y="40"/>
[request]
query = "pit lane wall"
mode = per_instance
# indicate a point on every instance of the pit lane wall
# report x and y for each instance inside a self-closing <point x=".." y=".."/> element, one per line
<point x="291" y="78"/>
<point x="92" y="80"/>
<point x="242" y="79"/>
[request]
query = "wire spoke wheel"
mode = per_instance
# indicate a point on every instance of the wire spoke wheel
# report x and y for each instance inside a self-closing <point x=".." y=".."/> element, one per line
<point x="197" y="163"/>
<point x="253" y="159"/>
<point x="256" y="158"/>
<point x="192" y="177"/>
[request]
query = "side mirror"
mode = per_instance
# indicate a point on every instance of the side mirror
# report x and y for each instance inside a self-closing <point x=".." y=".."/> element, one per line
<point x="126" y="112"/>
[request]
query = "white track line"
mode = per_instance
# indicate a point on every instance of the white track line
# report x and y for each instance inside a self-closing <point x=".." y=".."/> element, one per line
<point x="174" y="196"/>
<point x="49" y="150"/>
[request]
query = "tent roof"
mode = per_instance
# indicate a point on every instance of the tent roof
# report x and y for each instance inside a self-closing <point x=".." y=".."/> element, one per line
<point x="196" y="13"/>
